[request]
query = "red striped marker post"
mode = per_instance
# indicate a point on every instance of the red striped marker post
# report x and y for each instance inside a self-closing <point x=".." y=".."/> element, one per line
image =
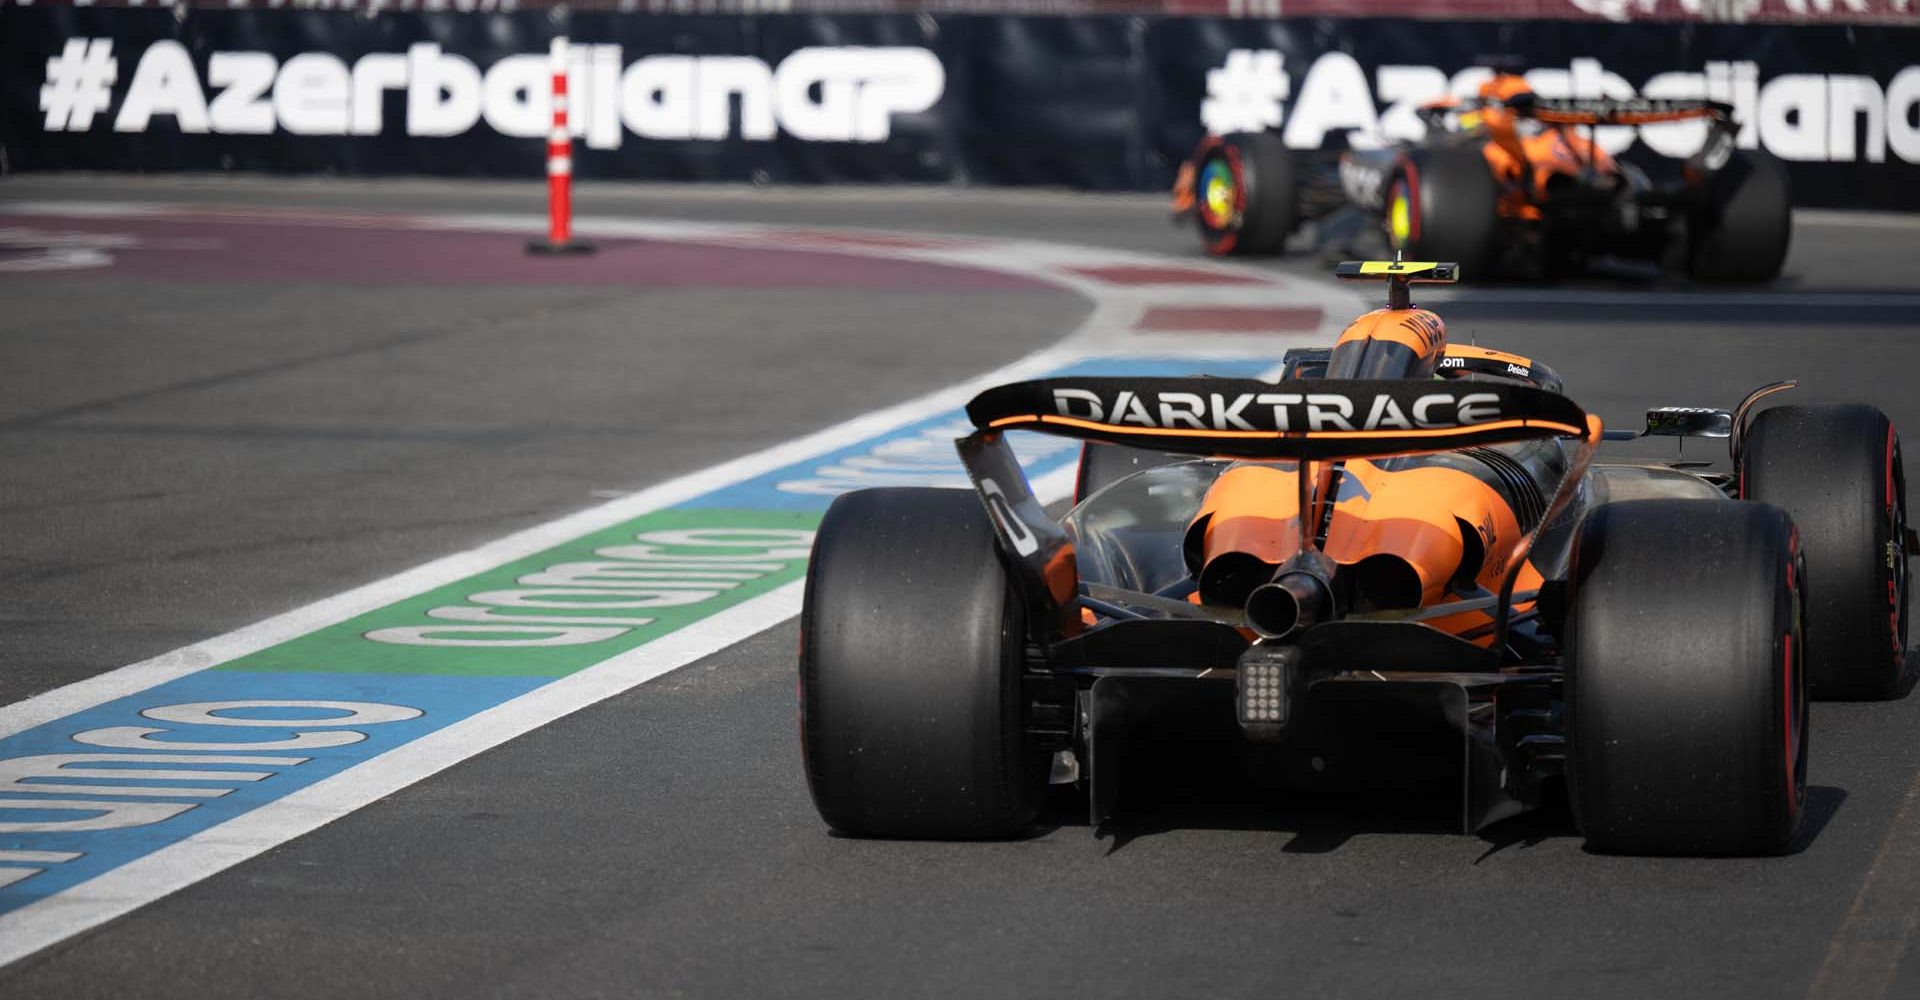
<point x="560" y="239"/>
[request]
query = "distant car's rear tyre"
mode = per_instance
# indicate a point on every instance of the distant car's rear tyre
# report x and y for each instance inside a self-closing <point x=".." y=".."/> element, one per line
<point x="1741" y="233"/>
<point x="1246" y="197"/>
<point x="1686" y="701"/>
<point x="1442" y="204"/>
<point x="1102" y="465"/>
<point x="1836" y="470"/>
<point x="912" y="646"/>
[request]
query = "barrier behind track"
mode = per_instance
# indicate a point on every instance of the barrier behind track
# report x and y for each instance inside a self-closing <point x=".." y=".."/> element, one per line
<point x="1099" y="101"/>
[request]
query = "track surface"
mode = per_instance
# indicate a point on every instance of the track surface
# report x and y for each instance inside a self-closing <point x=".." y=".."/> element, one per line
<point x="188" y="453"/>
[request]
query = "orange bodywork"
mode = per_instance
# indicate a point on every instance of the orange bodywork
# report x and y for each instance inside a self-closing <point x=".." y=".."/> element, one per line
<point x="1418" y="514"/>
<point x="1524" y="163"/>
<point x="1418" y="329"/>
<point x="1488" y="354"/>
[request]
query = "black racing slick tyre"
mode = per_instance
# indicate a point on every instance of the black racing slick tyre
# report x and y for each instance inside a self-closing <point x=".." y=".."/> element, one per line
<point x="1741" y="233"/>
<point x="1442" y="204"/>
<point x="1836" y="470"/>
<point x="1686" y="708"/>
<point x="1246" y="197"/>
<point x="912" y="646"/>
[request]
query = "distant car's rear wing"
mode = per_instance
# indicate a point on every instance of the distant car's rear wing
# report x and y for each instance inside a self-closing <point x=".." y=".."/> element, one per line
<point x="1295" y="419"/>
<point x="1714" y="150"/>
<point x="1618" y="111"/>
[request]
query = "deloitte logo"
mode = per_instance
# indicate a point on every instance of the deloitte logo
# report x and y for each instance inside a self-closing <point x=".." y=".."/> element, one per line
<point x="835" y="94"/>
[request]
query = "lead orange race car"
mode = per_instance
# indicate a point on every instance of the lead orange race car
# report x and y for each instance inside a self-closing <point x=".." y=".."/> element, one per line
<point x="1399" y="536"/>
<point x="1508" y="183"/>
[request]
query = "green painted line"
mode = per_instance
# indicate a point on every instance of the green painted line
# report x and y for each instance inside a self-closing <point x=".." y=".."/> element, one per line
<point x="347" y="649"/>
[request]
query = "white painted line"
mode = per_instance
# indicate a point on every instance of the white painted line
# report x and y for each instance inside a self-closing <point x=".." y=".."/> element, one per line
<point x="1865" y="955"/>
<point x="169" y="869"/>
<point x="1854" y="220"/>
<point x="177" y="866"/>
<point x="31" y="928"/>
<point x="199" y="656"/>
<point x="38" y="857"/>
<point x="1107" y="330"/>
<point x="1117" y="308"/>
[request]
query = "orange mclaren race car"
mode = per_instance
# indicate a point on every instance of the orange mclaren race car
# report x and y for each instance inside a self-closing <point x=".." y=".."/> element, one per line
<point x="1399" y="535"/>
<point x="1508" y="183"/>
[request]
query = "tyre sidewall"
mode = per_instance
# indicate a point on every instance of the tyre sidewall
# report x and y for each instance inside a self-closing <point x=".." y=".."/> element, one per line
<point x="912" y="650"/>
<point x="1265" y="192"/>
<point x="1835" y="469"/>
<point x="1742" y="232"/>
<point x="1685" y="699"/>
<point x="1455" y="206"/>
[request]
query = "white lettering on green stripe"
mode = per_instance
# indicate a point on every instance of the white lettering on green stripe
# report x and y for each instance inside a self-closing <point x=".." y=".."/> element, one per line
<point x="644" y="575"/>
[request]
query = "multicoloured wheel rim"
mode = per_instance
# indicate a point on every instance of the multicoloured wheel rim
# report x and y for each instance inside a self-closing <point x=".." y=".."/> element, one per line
<point x="1399" y="215"/>
<point x="1218" y="196"/>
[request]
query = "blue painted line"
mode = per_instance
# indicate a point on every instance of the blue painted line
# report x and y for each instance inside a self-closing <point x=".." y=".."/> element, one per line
<point x="441" y="703"/>
<point x="441" y="700"/>
<point x="764" y="493"/>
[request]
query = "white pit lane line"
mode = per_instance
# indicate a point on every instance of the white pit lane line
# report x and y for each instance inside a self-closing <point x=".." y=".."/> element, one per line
<point x="1107" y="333"/>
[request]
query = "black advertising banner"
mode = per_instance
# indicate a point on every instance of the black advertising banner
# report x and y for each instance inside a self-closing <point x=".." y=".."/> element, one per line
<point x="1105" y="102"/>
<point x="1840" y="106"/>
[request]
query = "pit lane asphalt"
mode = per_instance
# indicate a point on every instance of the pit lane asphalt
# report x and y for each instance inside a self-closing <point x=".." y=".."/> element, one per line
<point x="262" y="446"/>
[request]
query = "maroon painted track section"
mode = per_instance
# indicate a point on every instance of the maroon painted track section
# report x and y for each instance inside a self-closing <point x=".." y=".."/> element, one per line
<point x="337" y="249"/>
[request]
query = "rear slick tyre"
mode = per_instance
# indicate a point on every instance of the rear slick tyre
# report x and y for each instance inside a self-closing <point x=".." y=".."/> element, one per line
<point x="1685" y="692"/>
<point x="1742" y="232"/>
<point x="1442" y="205"/>
<point x="912" y="647"/>
<point x="1836" y="470"/>
<point x="1247" y="200"/>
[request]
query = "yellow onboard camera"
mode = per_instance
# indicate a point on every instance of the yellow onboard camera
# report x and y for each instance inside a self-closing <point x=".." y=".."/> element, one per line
<point x="1398" y="275"/>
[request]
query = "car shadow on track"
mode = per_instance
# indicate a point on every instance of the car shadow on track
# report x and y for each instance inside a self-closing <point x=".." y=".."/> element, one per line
<point x="1324" y="820"/>
<point x="1165" y="787"/>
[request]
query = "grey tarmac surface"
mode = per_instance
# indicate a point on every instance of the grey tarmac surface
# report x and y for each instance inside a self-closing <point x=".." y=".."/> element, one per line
<point x="223" y="453"/>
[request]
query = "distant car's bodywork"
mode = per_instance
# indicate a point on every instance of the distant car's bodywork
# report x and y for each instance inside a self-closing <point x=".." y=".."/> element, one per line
<point x="1508" y="183"/>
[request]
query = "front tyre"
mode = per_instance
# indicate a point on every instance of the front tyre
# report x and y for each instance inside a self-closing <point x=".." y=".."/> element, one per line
<point x="1836" y="470"/>
<point x="1246" y="197"/>
<point x="912" y="647"/>
<point x="1685" y="692"/>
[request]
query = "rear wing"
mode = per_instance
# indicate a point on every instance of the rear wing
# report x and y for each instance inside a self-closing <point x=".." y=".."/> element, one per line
<point x="1712" y="155"/>
<point x="1618" y="111"/>
<point x="1300" y="419"/>
<point x="1293" y="419"/>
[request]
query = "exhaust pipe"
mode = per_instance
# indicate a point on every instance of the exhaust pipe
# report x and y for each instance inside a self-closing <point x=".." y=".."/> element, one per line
<point x="1230" y="577"/>
<point x="1296" y="599"/>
